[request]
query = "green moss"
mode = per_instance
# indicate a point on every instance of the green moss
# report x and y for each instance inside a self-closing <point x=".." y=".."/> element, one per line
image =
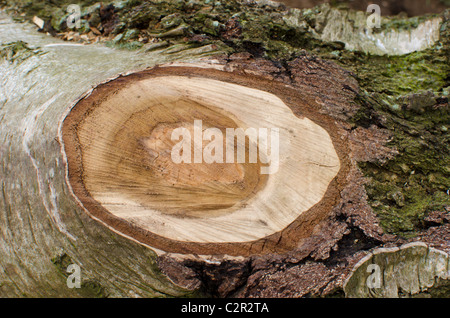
<point x="240" y="25"/>
<point x="440" y="290"/>
<point x="398" y="75"/>
<point x="408" y="96"/>
<point x="134" y="45"/>
<point x="403" y="190"/>
<point x="18" y="51"/>
<point x="62" y="261"/>
<point x="90" y="288"/>
<point x="402" y="24"/>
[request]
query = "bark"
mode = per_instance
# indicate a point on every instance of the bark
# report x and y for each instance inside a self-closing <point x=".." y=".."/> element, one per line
<point x="45" y="226"/>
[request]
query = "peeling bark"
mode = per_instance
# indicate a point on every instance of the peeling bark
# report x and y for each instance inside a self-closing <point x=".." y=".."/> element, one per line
<point x="392" y="272"/>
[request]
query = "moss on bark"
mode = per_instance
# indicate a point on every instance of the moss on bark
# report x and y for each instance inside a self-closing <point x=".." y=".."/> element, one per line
<point x="408" y="95"/>
<point x="18" y="51"/>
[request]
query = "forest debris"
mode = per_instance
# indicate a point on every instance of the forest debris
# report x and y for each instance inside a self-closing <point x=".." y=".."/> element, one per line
<point x="95" y="30"/>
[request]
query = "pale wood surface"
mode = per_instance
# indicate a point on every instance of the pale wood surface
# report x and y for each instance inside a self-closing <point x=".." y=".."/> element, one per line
<point x="219" y="203"/>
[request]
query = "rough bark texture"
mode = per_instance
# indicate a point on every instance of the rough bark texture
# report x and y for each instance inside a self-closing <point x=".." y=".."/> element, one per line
<point x="397" y="160"/>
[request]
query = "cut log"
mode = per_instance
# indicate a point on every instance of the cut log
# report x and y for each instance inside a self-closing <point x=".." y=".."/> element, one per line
<point x="120" y="152"/>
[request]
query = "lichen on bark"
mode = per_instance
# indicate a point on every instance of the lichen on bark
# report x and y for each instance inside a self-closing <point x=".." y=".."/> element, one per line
<point x="18" y="51"/>
<point x="412" y="270"/>
<point x="407" y="95"/>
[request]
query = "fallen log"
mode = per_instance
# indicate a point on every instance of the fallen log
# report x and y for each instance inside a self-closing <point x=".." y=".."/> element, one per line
<point x="89" y="176"/>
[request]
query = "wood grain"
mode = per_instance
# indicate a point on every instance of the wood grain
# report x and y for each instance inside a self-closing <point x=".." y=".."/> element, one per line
<point x="118" y="146"/>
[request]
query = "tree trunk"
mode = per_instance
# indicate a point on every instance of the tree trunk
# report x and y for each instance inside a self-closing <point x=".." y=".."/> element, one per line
<point x="88" y="177"/>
